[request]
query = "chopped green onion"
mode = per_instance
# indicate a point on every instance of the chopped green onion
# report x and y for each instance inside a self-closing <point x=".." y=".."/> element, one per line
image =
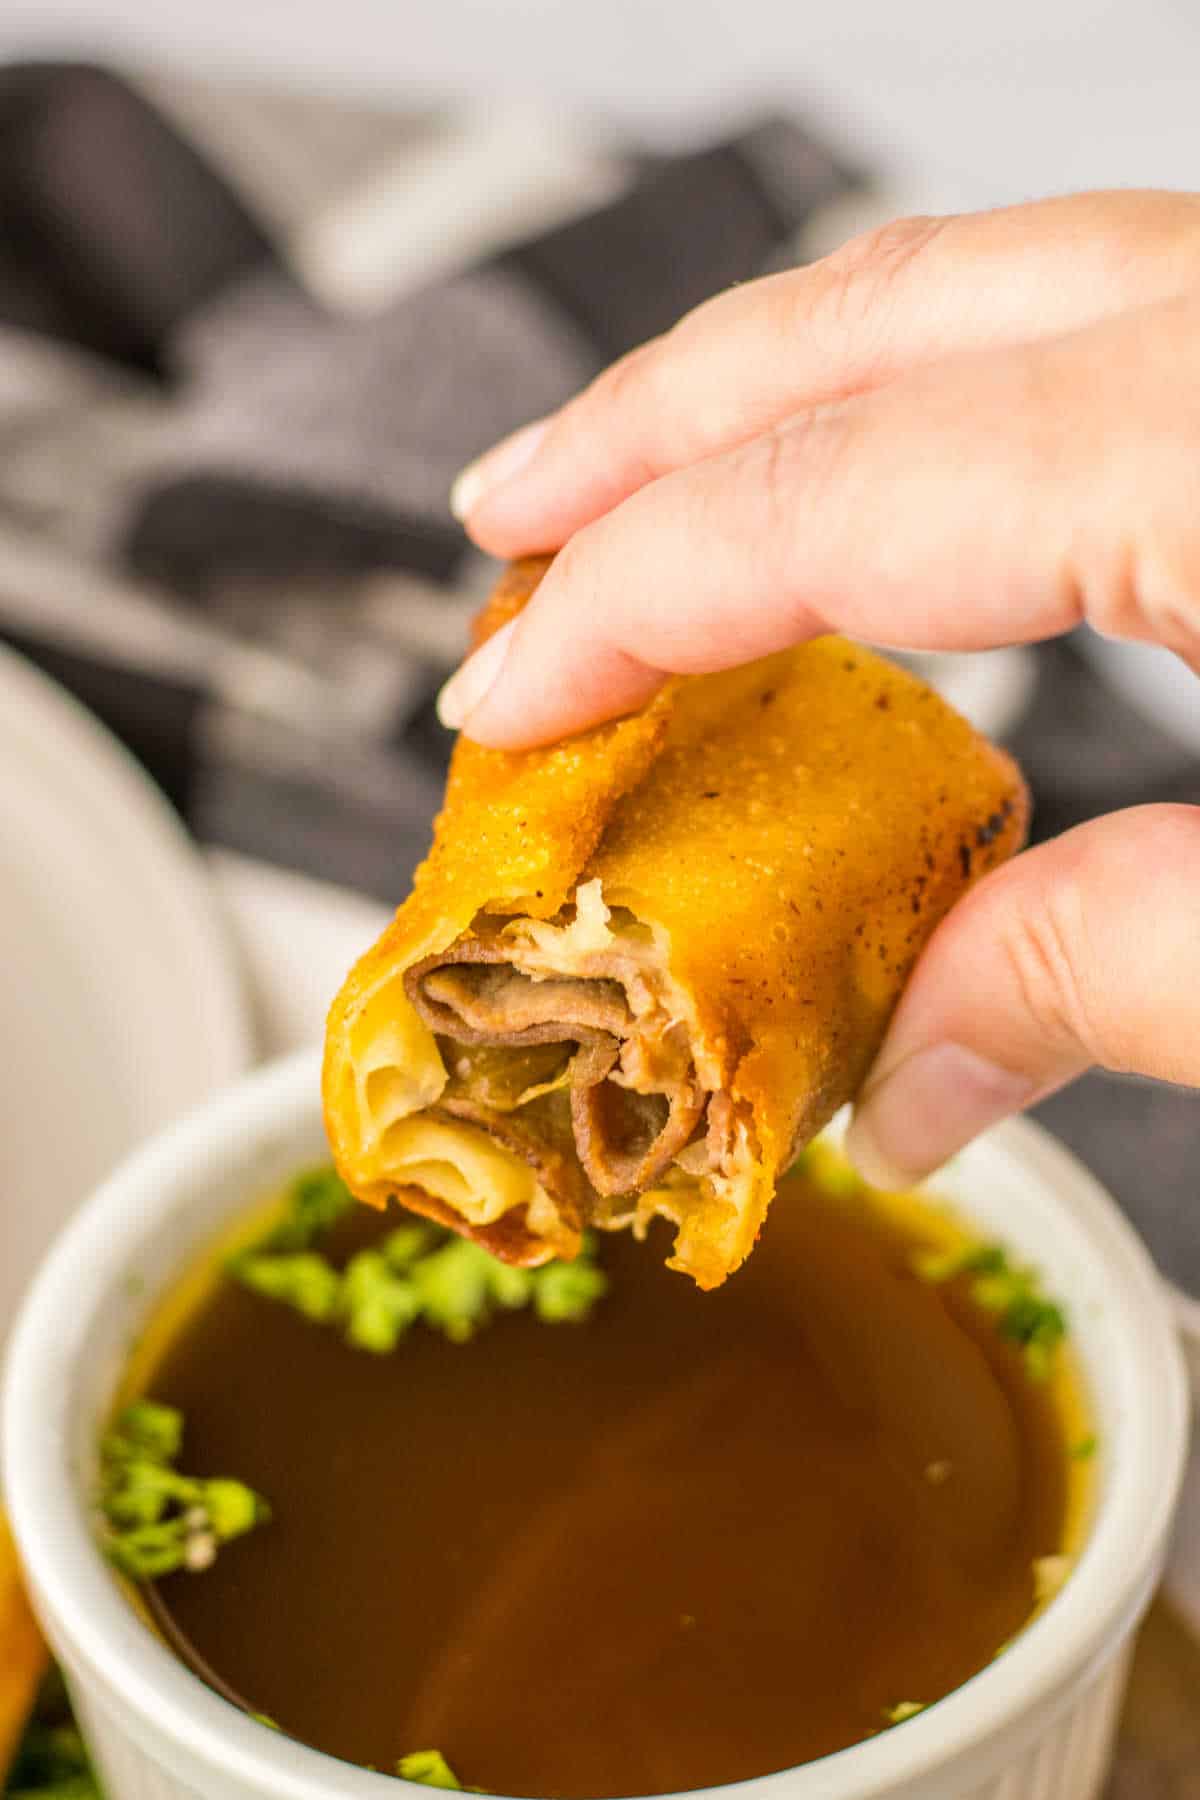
<point x="301" y="1279"/>
<point x="156" y="1520"/>
<point x="377" y="1306"/>
<point x="1023" y="1314"/>
<point x="825" y="1164"/>
<point x="1050" y="1574"/>
<point x="937" y="1266"/>
<point x="314" y="1202"/>
<point x="566" y="1292"/>
<point x="147" y="1430"/>
<point x="511" y="1288"/>
<point x="454" y="1288"/>
<point x="233" y="1509"/>
<point x="429" y="1767"/>
<point x="143" y="1491"/>
<point x="418" y="1272"/>
<point x="408" y="1243"/>
<point x="905" y="1709"/>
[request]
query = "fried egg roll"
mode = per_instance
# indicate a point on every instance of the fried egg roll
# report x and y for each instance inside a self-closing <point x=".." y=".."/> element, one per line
<point x="640" y="969"/>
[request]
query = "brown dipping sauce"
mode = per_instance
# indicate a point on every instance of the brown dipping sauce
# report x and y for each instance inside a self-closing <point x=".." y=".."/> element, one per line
<point x="696" y="1539"/>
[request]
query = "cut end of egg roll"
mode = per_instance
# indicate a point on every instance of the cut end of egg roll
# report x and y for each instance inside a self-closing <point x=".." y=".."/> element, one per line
<point x="640" y="969"/>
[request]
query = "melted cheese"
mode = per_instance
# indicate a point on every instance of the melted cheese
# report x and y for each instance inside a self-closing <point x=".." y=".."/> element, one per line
<point x="564" y="945"/>
<point x="462" y="1166"/>
<point x="395" y="1062"/>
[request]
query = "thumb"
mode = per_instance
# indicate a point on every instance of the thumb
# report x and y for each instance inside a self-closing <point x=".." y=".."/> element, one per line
<point x="1084" y="951"/>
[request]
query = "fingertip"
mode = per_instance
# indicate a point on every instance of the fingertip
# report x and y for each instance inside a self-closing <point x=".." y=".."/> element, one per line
<point x="469" y="686"/>
<point x="498" y="468"/>
<point x="550" y="690"/>
<point x="871" y="1159"/>
<point x="465" y="492"/>
<point x="927" y="1107"/>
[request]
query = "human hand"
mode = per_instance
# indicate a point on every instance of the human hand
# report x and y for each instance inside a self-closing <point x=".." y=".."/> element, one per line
<point x="951" y="434"/>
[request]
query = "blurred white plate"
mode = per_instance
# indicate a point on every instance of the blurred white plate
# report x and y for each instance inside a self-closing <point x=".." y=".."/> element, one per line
<point x="297" y="938"/>
<point x="120" y="1000"/>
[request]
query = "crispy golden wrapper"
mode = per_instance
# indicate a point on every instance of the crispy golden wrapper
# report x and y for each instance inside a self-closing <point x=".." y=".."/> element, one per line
<point x="23" y="1653"/>
<point x="759" y="858"/>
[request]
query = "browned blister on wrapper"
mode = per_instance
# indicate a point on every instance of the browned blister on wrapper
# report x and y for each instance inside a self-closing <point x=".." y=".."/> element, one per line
<point x="641" y="968"/>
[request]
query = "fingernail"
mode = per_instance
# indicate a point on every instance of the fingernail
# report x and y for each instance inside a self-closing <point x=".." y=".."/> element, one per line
<point x="468" y="685"/>
<point x="928" y="1107"/>
<point x="498" y="465"/>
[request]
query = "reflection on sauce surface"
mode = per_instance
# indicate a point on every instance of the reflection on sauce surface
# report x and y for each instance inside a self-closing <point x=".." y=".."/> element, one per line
<point x="696" y="1539"/>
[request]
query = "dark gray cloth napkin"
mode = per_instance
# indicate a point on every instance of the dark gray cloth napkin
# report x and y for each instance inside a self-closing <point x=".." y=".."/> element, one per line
<point x="223" y="509"/>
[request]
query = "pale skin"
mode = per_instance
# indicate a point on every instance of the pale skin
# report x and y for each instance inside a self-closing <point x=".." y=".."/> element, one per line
<point x="951" y="434"/>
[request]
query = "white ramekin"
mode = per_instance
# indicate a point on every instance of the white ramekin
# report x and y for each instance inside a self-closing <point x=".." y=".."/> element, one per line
<point x="1187" y="1317"/>
<point x="1037" y="1724"/>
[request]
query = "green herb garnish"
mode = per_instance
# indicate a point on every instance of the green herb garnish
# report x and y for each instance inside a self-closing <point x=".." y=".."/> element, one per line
<point x="825" y="1164"/>
<point x="283" y="1265"/>
<point x="563" y="1292"/>
<point x="905" y="1709"/>
<point x="314" y="1202"/>
<point x="1086" y="1448"/>
<point x="417" y="1273"/>
<point x="1023" y="1314"/>
<point x="156" y="1520"/>
<point x="300" y="1278"/>
<point x="429" y="1767"/>
<point x="146" y="1432"/>
<point x="1050" y="1574"/>
<point x="975" y="1259"/>
<point x="52" y="1764"/>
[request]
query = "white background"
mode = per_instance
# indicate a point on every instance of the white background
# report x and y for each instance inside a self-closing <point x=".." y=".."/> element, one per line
<point x="967" y="102"/>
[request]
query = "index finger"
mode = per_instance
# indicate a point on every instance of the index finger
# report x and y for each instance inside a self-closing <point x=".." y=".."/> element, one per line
<point x="988" y="501"/>
<point x="912" y="292"/>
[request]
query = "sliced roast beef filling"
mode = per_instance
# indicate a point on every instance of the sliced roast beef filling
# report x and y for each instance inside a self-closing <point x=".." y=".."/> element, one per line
<point x="634" y="1099"/>
<point x="626" y="1140"/>
<point x="493" y="1003"/>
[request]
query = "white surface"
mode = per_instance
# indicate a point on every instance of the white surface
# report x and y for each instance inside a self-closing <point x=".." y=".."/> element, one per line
<point x="297" y="938"/>
<point x="502" y="175"/>
<point x="119" y="1004"/>
<point x="1183" y="1569"/>
<point x="1188" y="1311"/>
<point x="1035" y="1720"/>
<point x="969" y="104"/>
